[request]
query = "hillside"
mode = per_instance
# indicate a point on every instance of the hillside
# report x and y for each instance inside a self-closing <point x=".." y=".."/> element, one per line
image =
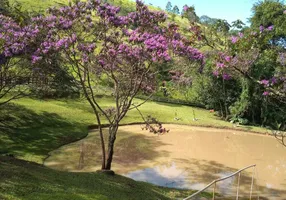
<point x="33" y="128"/>
<point x="25" y="180"/>
<point x="126" y="7"/>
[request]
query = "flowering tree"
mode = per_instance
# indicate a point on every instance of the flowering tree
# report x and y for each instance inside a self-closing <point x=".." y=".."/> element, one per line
<point x="259" y="66"/>
<point x="95" y="42"/>
<point x="16" y="44"/>
<point x="244" y="53"/>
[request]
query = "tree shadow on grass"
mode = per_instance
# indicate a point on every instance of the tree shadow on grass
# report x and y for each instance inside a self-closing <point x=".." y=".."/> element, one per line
<point x="168" y="104"/>
<point x="80" y="104"/>
<point x="24" y="132"/>
<point x="26" y="180"/>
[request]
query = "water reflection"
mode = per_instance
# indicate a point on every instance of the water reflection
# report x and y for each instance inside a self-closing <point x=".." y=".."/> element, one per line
<point x="186" y="157"/>
<point x="168" y="176"/>
<point x="174" y="177"/>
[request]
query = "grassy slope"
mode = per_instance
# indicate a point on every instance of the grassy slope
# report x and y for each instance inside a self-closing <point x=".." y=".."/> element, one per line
<point x="126" y="6"/>
<point x="24" y="180"/>
<point x="30" y="129"/>
<point x="38" y="5"/>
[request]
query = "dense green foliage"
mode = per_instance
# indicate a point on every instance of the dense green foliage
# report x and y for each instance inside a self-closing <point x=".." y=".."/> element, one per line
<point x="271" y="12"/>
<point x="243" y="99"/>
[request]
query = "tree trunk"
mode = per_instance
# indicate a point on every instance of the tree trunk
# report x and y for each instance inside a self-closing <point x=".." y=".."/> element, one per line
<point x="111" y="141"/>
<point x="224" y="102"/>
<point x="95" y="111"/>
<point x="253" y="113"/>
<point x="102" y="147"/>
<point x="221" y="110"/>
<point x="99" y="128"/>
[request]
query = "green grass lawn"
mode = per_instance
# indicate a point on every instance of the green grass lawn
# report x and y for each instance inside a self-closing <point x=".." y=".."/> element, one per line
<point x="31" y="181"/>
<point x="38" y="5"/>
<point x="30" y="129"/>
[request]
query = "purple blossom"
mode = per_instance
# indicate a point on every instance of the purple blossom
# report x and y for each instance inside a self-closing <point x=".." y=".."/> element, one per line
<point x="270" y="28"/>
<point x="261" y="28"/>
<point x="226" y="76"/>
<point x="35" y="59"/>
<point x="66" y="24"/>
<point x="45" y="51"/>
<point x="101" y="62"/>
<point x="85" y="48"/>
<point x="240" y="35"/>
<point x="253" y="33"/>
<point x="85" y="58"/>
<point x="215" y="73"/>
<point x="266" y="93"/>
<point x="112" y="52"/>
<point x="73" y="37"/>
<point x="234" y="39"/>
<point x="185" y="8"/>
<point x="264" y="82"/>
<point x="227" y="58"/>
<point x="8" y="53"/>
<point x="274" y="80"/>
<point x="60" y="43"/>
<point x="220" y="65"/>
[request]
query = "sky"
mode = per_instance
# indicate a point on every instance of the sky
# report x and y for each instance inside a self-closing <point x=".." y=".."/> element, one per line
<point x="230" y="10"/>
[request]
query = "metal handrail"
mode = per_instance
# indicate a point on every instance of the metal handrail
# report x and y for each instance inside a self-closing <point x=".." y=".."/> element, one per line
<point x="221" y="179"/>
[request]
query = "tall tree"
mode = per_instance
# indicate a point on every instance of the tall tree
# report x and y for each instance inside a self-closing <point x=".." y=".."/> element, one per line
<point x="169" y="7"/>
<point x="238" y="24"/>
<point x="204" y="19"/>
<point x="260" y="68"/>
<point x="222" y="26"/>
<point x="176" y="10"/>
<point x="16" y="44"/>
<point x="95" y="42"/>
<point x="271" y="13"/>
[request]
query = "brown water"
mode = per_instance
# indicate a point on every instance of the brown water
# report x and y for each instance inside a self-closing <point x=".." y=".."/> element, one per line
<point x="186" y="157"/>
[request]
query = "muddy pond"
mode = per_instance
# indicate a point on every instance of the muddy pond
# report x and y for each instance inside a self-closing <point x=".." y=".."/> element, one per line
<point x="186" y="157"/>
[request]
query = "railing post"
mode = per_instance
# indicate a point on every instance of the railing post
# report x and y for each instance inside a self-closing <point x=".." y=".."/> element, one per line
<point x="237" y="190"/>
<point x="226" y="177"/>
<point x="251" y="187"/>
<point x="214" y="191"/>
